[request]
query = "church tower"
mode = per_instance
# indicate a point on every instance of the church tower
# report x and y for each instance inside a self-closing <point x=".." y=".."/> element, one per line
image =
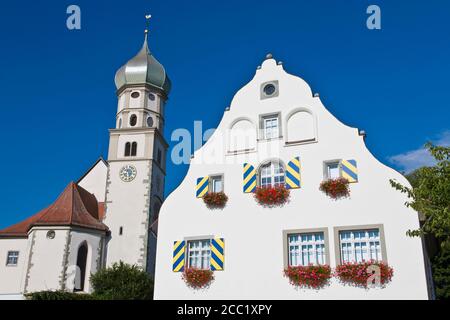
<point x="137" y="157"/>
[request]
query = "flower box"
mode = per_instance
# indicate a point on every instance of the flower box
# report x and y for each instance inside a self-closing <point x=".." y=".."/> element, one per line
<point x="197" y="278"/>
<point x="336" y="188"/>
<point x="364" y="274"/>
<point x="314" y="277"/>
<point x="215" y="200"/>
<point x="272" y="196"/>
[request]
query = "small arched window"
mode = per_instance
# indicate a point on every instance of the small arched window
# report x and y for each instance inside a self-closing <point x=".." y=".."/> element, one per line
<point x="133" y="149"/>
<point x="133" y="120"/>
<point x="271" y="174"/>
<point x="127" y="149"/>
<point x="120" y="123"/>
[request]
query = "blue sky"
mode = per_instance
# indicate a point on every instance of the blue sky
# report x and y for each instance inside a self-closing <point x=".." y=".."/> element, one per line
<point x="58" y="96"/>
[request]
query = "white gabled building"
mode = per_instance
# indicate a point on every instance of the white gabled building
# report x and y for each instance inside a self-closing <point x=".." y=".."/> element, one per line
<point x="275" y="123"/>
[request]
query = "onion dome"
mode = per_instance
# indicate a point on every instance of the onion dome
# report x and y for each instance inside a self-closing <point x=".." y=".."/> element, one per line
<point x="143" y="69"/>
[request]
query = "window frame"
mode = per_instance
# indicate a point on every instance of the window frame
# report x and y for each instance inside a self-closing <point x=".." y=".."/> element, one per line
<point x="194" y="239"/>
<point x="326" y="164"/>
<point x="262" y="127"/>
<point x="287" y="233"/>
<point x="273" y="175"/>
<point x="263" y="94"/>
<point x="337" y="240"/>
<point x="211" y="180"/>
<point x="8" y="257"/>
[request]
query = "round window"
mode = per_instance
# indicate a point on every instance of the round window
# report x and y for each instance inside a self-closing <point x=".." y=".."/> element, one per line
<point x="269" y="89"/>
<point x="149" y="122"/>
<point x="51" y="234"/>
<point x="135" y="94"/>
<point x="151" y="96"/>
<point x="133" y="120"/>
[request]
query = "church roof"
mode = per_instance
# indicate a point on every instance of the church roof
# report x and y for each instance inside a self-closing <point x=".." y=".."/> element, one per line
<point x="74" y="207"/>
<point x="143" y="69"/>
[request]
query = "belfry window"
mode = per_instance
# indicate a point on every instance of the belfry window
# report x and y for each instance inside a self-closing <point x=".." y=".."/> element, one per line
<point x="133" y="120"/>
<point x="127" y="149"/>
<point x="133" y="149"/>
<point x="271" y="174"/>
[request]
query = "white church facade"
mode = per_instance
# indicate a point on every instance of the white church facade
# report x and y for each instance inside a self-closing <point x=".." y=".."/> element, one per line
<point x="276" y="131"/>
<point x="110" y="214"/>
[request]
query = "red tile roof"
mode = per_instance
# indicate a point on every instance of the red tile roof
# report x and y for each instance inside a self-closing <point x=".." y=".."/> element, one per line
<point x="74" y="207"/>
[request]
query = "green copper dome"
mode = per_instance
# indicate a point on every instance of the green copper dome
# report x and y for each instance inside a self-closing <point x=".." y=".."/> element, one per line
<point x="143" y="69"/>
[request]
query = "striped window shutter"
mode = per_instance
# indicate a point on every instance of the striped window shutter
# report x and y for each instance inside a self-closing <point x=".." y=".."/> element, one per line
<point x="179" y="248"/>
<point x="249" y="178"/>
<point x="349" y="170"/>
<point x="293" y="174"/>
<point x="217" y="254"/>
<point x="202" y="187"/>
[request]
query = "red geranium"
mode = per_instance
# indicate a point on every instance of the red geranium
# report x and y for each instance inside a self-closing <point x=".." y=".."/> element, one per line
<point x="272" y="196"/>
<point x="364" y="274"/>
<point x="314" y="277"/>
<point x="215" y="200"/>
<point x="197" y="278"/>
<point x="336" y="188"/>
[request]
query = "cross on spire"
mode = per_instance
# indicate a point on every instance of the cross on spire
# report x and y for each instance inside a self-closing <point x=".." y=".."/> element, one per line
<point x="147" y="22"/>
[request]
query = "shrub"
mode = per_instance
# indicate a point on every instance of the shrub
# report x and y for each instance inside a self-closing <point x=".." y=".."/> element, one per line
<point x="335" y="188"/>
<point x="272" y="196"/>
<point x="197" y="278"/>
<point x="215" y="200"/>
<point x="358" y="274"/>
<point x="58" y="295"/>
<point x="314" y="277"/>
<point x="441" y="273"/>
<point x="122" y="282"/>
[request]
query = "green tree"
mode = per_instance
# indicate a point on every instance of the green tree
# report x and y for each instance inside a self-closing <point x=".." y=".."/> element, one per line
<point x="122" y="282"/>
<point x="430" y="195"/>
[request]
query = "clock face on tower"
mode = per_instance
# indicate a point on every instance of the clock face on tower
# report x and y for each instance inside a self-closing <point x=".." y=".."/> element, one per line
<point x="127" y="173"/>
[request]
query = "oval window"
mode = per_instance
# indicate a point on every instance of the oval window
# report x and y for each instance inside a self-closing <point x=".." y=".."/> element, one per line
<point x="135" y="94"/>
<point x="269" y="89"/>
<point x="149" y="122"/>
<point x="51" y="234"/>
<point x="133" y="120"/>
<point x="151" y="96"/>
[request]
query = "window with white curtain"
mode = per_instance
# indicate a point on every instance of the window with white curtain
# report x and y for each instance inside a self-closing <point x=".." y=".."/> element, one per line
<point x="332" y="170"/>
<point x="199" y="254"/>
<point x="270" y="127"/>
<point x="216" y="184"/>
<point x="360" y="245"/>
<point x="306" y="249"/>
<point x="271" y="174"/>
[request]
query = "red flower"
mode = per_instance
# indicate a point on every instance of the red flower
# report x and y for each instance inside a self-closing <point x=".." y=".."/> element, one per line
<point x="272" y="196"/>
<point x="314" y="277"/>
<point x="360" y="275"/>
<point x="197" y="278"/>
<point x="215" y="200"/>
<point x="336" y="188"/>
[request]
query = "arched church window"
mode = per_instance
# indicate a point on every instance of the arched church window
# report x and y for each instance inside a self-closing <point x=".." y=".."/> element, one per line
<point x="80" y="279"/>
<point x="133" y="149"/>
<point x="271" y="174"/>
<point x="127" y="149"/>
<point x="149" y="122"/>
<point x="133" y="120"/>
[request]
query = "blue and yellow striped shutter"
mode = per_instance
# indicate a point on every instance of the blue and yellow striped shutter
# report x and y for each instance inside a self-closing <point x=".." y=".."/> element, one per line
<point x="179" y="247"/>
<point x="249" y="178"/>
<point x="349" y="170"/>
<point x="202" y="186"/>
<point x="293" y="174"/>
<point x="217" y="254"/>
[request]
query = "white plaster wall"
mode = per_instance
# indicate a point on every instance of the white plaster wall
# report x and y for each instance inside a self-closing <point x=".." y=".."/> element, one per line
<point x="127" y="208"/>
<point x="95" y="181"/>
<point x="94" y="243"/>
<point x="12" y="277"/>
<point x="253" y="234"/>
<point x="46" y="259"/>
<point x="136" y="102"/>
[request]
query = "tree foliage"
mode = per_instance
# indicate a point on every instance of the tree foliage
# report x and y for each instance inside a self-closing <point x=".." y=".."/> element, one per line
<point x="122" y="282"/>
<point x="430" y="195"/>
